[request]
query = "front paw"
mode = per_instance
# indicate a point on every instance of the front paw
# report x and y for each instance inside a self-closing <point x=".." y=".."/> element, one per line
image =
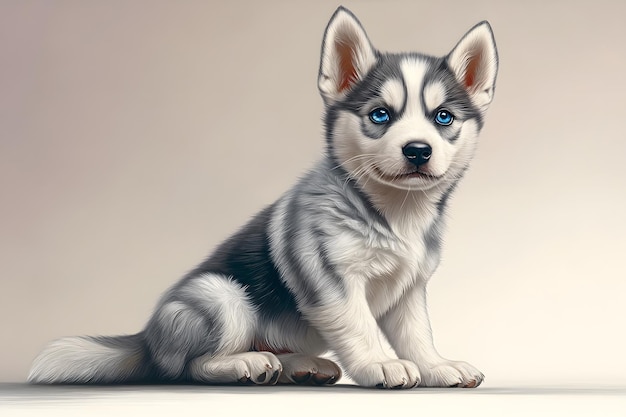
<point x="451" y="374"/>
<point x="391" y="374"/>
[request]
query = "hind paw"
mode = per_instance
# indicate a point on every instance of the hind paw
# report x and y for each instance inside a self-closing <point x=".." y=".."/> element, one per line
<point x="250" y="368"/>
<point x="308" y="370"/>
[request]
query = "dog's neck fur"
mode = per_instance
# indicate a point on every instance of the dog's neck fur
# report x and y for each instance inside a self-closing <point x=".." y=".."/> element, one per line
<point x="403" y="210"/>
<point x="395" y="203"/>
<point x="408" y="212"/>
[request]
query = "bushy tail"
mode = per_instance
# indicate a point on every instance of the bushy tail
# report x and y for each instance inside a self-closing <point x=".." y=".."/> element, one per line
<point x="91" y="360"/>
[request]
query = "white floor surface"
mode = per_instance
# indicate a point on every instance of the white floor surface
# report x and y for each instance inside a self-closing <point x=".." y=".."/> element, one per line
<point x="28" y="400"/>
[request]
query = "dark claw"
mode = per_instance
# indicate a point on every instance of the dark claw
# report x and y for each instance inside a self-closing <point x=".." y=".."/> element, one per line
<point x="301" y="377"/>
<point x="275" y="377"/>
<point x="332" y="380"/>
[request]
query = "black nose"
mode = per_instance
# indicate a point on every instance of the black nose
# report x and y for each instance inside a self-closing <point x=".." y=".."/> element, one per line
<point x="417" y="153"/>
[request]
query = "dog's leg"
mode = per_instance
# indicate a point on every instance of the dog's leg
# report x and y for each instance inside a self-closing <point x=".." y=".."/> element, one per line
<point x="308" y="370"/>
<point x="349" y="327"/>
<point x="203" y="331"/>
<point x="407" y="328"/>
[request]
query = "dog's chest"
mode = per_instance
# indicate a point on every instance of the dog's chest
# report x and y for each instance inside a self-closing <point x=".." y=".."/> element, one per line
<point x="384" y="265"/>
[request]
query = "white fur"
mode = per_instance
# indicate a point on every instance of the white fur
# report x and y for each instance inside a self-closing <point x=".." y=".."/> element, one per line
<point x="392" y="94"/>
<point x="414" y="124"/>
<point x="227" y="300"/>
<point x="78" y="359"/>
<point x="407" y="327"/>
<point x="352" y="332"/>
<point x="413" y="71"/>
<point x="434" y="95"/>
<point x="256" y="367"/>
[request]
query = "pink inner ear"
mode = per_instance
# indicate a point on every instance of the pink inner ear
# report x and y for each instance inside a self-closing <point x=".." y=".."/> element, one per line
<point x="347" y="69"/>
<point x="471" y="71"/>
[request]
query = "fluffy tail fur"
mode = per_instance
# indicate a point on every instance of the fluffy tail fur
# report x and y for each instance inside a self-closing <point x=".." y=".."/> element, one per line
<point x="95" y="360"/>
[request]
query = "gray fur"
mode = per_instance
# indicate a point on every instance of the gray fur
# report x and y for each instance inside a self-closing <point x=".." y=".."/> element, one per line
<point x="315" y="213"/>
<point x="176" y="333"/>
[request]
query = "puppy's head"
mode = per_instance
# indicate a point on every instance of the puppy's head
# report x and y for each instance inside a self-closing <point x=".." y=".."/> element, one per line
<point x="407" y="121"/>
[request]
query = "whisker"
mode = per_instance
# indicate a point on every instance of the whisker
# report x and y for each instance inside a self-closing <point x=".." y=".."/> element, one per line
<point x="360" y="156"/>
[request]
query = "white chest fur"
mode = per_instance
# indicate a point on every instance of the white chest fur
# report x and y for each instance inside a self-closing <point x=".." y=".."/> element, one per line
<point x="383" y="266"/>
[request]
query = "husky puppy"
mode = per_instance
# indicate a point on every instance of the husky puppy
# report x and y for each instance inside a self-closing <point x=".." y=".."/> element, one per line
<point x="341" y="257"/>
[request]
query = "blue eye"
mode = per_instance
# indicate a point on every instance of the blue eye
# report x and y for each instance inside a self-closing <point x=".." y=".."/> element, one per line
<point x="444" y="118"/>
<point x="380" y="116"/>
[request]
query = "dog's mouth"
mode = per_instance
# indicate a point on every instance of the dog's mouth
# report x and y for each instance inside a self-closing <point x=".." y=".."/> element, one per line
<point x="406" y="175"/>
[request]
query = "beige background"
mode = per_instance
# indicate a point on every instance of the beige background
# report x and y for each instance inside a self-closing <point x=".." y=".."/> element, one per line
<point x="134" y="136"/>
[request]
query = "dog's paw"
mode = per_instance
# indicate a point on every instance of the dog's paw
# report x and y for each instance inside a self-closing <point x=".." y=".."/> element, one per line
<point x="451" y="374"/>
<point x="258" y="368"/>
<point x="392" y="374"/>
<point x="308" y="370"/>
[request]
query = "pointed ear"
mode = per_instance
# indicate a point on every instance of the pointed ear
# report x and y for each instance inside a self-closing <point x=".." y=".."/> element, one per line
<point x="474" y="61"/>
<point x="347" y="55"/>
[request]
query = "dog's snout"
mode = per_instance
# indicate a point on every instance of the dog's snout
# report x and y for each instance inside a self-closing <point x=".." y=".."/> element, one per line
<point x="417" y="153"/>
